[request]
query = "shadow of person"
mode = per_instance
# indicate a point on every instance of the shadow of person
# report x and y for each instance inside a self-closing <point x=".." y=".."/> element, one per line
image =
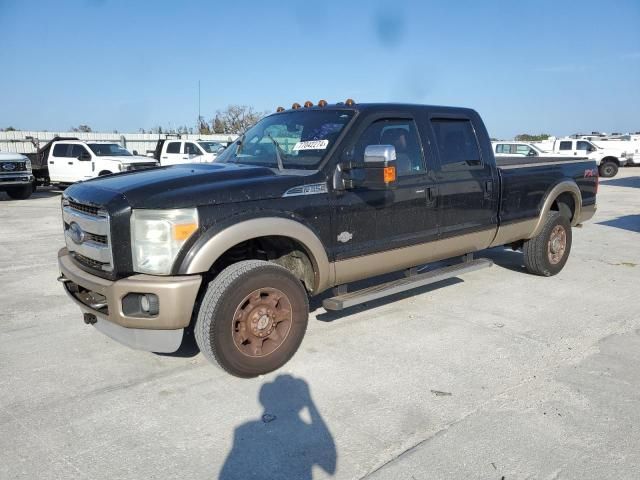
<point x="286" y="442"/>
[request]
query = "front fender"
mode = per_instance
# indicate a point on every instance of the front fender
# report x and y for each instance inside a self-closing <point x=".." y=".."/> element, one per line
<point x="203" y="255"/>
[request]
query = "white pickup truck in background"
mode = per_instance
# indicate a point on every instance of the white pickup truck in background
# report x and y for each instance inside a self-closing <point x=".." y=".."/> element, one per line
<point x="607" y="159"/>
<point x="177" y="151"/>
<point x="16" y="176"/>
<point x="70" y="161"/>
<point x="507" y="148"/>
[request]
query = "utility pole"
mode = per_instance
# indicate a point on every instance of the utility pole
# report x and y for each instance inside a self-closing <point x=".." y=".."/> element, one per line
<point x="199" y="117"/>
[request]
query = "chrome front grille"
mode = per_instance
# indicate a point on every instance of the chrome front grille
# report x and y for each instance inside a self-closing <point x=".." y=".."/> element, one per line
<point x="87" y="234"/>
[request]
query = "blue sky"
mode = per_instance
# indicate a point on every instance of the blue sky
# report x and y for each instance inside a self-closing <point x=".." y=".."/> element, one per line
<point x="543" y="66"/>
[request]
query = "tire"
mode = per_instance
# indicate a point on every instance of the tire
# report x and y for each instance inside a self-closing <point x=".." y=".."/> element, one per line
<point x="547" y="253"/>
<point x="20" y="193"/>
<point x="608" y="169"/>
<point x="247" y="333"/>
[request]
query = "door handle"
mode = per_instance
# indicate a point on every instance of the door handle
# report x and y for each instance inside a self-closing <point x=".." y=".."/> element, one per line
<point x="488" y="189"/>
<point x="432" y="196"/>
<point x="70" y="163"/>
<point x="165" y="157"/>
<point x="51" y="162"/>
<point x="185" y="158"/>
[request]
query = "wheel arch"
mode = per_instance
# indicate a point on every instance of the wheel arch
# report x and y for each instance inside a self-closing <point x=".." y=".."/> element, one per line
<point x="563" y="190"/>
<point x="610" y="158"/>
<point x="205" y="256"/>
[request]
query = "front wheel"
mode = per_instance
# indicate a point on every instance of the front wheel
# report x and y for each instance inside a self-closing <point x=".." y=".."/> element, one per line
<point x="20" y="193"/>
<point x="252" y="318"/>
<point x="547" y="253"/>
<point x="608" y="169"/>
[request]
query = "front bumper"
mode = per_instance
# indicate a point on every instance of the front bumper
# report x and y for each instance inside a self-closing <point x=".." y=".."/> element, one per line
<point x="16" y="180"/>
<point x="103" y="299"/>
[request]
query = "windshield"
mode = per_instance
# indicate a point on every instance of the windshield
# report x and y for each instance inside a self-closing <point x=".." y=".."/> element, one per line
<point x="300" y="138"/>
<point x="211" y="147"/>
<point x="108" y="150"/>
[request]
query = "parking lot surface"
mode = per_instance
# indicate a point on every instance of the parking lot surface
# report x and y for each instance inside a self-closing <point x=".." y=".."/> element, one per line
<point x="499" y="374"/>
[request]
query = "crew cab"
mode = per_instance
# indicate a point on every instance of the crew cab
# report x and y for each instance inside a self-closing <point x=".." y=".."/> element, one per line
<point x="310" y="199"/>
<point x="16" y="177"/>
<point x="176" y="151"/>
<point x="510" y="149"/>
<point x="608" y="160"/>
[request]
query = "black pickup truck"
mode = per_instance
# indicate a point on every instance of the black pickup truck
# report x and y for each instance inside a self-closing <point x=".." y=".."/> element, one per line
<point x="310" y="198"/>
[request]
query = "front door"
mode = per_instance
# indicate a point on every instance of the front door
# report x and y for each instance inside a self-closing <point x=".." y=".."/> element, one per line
<point x="372" y="225"/>
<point x="83" y="166"/>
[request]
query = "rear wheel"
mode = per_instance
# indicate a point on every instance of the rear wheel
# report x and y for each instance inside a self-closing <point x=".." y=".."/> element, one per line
<point x="20" y="193"/>
<point x="252" y="318"/>
<point x="608" y="169"/>
<point x="547" y="253"/>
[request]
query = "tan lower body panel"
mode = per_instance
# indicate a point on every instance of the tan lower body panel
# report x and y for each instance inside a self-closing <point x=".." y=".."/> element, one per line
<point x="515" y="231"/>
<point x="176" y="295"/>
<point x="366" y="266"/>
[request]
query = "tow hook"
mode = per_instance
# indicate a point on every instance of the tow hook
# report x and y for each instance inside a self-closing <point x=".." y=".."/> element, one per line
<point x="90" y="318"/>
<point x="63" y="279"/>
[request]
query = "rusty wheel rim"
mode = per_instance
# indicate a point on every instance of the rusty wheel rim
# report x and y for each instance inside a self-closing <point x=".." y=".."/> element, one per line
<point x="262" y="322"/>
<point x="557" y="244"/>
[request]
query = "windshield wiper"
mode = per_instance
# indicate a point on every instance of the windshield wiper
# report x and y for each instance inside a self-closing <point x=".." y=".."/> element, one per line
<point x="278" y="152"/>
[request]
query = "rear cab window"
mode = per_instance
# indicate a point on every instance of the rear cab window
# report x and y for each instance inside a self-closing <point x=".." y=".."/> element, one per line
<point x="173" y="147"/>
<point x="457" y="144"/>
<point x="62" y="150"/>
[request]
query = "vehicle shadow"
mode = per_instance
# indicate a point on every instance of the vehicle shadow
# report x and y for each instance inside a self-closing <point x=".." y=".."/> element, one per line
<point x="35" y="195"/>
<point x="505" y="258"/>
<point x="631" y="182"/>
<point x="627" y="222"/>
<point x="286" y="441"/>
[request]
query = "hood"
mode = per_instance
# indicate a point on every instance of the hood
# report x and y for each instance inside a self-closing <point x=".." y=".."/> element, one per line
<point x="187" y="185"/>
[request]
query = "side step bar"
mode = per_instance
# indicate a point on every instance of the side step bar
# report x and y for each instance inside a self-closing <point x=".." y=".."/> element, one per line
<point x="347" y="300"/>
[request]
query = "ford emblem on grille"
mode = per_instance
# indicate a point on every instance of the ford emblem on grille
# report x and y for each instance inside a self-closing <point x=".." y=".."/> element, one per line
<point x="76" y="232"/>
<point x="8" y="166"/>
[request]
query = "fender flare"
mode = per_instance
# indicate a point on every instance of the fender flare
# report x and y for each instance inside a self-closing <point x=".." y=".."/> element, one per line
<point x="566" y="186"/>
<point x="239" y="232"/>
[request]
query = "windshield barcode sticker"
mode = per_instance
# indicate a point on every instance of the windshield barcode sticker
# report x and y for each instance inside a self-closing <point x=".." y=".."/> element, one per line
<point x="311" y="145"/>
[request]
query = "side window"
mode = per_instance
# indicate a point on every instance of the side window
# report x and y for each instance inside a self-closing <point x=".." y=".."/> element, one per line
<point x="77" y="150"/>
<point x="522" y="150"/>
<point x="402" y="134"/>
<point x="173" y="147"/>
<point x="60" y="150"/>
<point x="191" y="149"/>
<point x="457" y="143"/>
<point x="566" y="145"/>
<point x="503" y="148"/>
<point x="583" y="146"/>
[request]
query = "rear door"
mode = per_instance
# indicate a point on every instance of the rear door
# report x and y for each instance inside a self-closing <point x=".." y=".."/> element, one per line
<point x="467" y="182"/>
<point x="60" y="163"/>
<point x="172" y="154"/>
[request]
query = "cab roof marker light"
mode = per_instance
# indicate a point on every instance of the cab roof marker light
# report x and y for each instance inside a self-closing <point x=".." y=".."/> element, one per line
<point x="295" y="106"/>
<point x="322" y="103"/>
<point x="349" y="102"/>
<point x="308" y="104"/>
<point x="280" y="109"/>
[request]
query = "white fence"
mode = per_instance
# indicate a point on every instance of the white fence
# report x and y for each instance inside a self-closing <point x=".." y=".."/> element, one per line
<point x="25" y="142"/>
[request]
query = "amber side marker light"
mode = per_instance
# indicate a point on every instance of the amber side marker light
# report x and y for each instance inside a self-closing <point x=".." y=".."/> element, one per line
<point x="389" y="174"/>
<point x="280" y="109"/>
<point x="322" y="103"/>
<point x="184" y="231"/>
<point x="295" y="106"/>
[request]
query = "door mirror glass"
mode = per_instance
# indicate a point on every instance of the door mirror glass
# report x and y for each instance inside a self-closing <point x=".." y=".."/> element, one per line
<point x="379" y="155"/>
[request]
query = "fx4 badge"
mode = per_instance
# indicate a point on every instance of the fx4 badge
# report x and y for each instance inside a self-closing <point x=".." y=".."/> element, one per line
<point x="344" y="237"/>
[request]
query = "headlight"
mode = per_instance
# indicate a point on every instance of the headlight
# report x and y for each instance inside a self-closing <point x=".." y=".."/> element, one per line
<point x="158" y="235"/>
<point x="27" y="164"/>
